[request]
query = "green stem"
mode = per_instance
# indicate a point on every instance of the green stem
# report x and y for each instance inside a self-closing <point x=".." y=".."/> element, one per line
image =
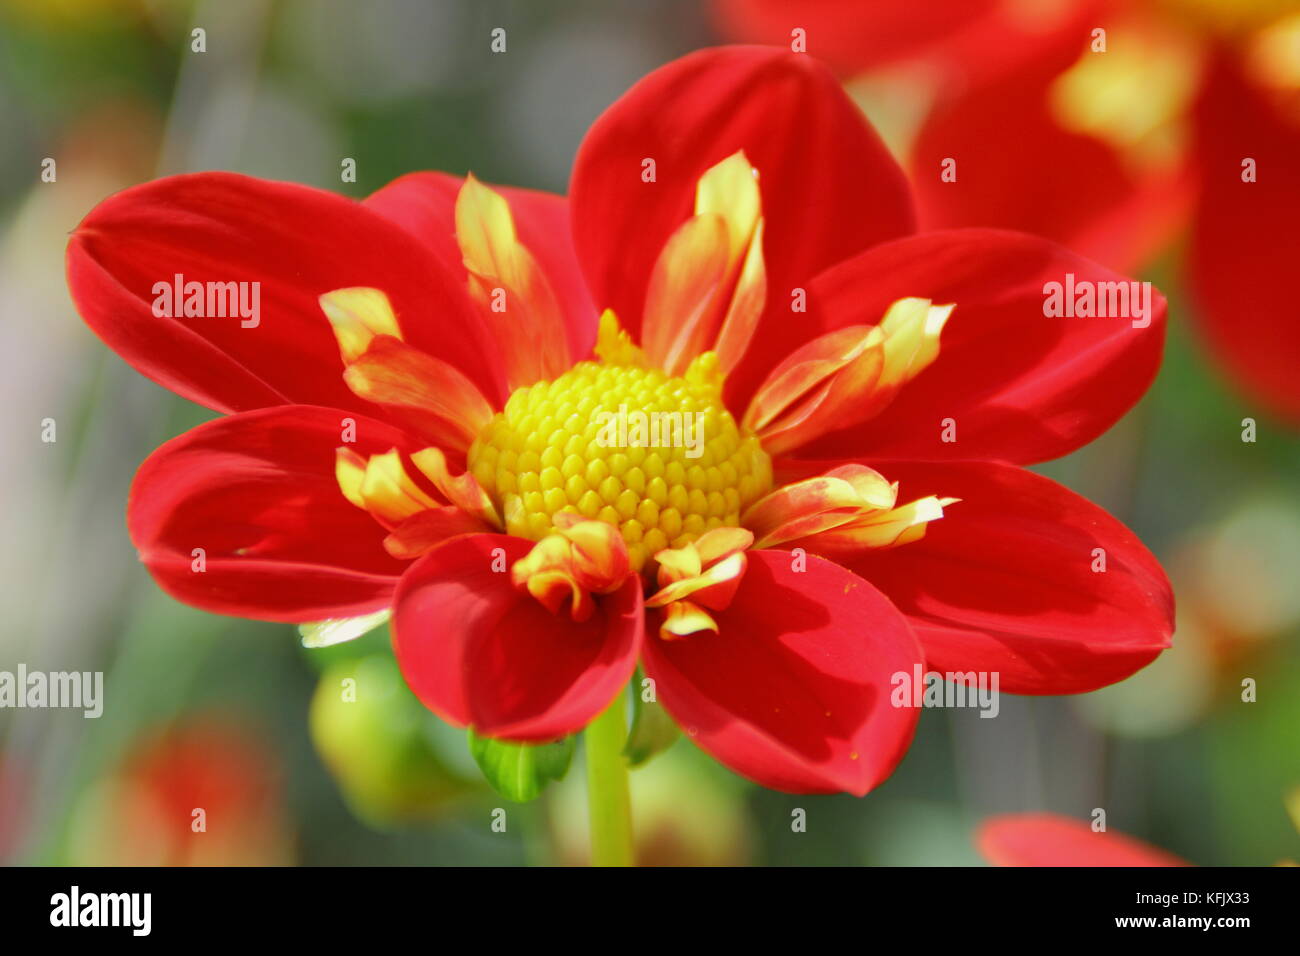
<point x="608" y="805"/>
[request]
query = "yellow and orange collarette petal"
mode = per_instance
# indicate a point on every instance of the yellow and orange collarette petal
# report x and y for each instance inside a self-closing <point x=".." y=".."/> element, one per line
<point x="702" y="576"/>
<point x="685" y="288"/>
<point x="879" y="530"/>
<point x="683" y="618"/>
<point x="380" y="485"/>
<point x="510" y="288"/>
<point x="813" y="390"/>
<point x="731" y="189"/>
<point x="849" y="509"/>
<point x="846" y="376"/>
<point x="709" y="285"/>
<point x="358" y="314"/>
<point x="426" y="393"/>
<point x="582" y="558"/>
<point x="818" y="504"/>
<point x="461" y="490"/>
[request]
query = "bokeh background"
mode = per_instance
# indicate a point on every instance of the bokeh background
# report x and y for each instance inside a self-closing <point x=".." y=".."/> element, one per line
<point x="236" y="717"/>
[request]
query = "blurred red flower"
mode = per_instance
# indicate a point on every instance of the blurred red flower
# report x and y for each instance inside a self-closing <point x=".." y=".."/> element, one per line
<point x="1184" y="112"/>
<point x="1049" y="839"/>
<point x="205" y="792"/>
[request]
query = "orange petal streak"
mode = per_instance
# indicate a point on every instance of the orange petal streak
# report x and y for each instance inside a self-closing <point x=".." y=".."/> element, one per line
<point x="846" y="376"/>
<point x="425" y="529"/>
<point x="512" y="292"/>
<point x="582" y="558"/>
<point x="380" y="485"/>
<point x="878" y="530"/>
<point x="358" y="314"/>
<point x="461" y="490"/>
<point x="435" y="400"/>
<point x="708" y="572"/>
<point x="818" y="504"/>
<point x="709" y="284"/>
<point x="686" y="287"/>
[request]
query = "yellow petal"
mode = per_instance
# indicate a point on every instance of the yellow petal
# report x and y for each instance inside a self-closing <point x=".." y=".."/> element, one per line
<point x="380" y="485"/>
<point x="911" y="329"/>
<point x="461" y="490"/>
<point x="350" y="472"/>
<point x="583" y="558"/>
<point x="685" y="294"/>
<point x="708" y="570"/>
<point x="514" y="296"/>
<point x="709" y="284"/>
<point x="747" y="304"/>
<point x="822" y="387"/>
<point x="714" y="587"/>
<point x="431" y="396"/>
<point x="389" y="491"/>
<point x="730" y="189"/>
<point x="546" y="572"/>
<point x="683" y="619"/>
<point x="883" y="529"/>
<point x="600" y="557"/>
<point x="818" y="504"/>
<point x="358" y="314"/>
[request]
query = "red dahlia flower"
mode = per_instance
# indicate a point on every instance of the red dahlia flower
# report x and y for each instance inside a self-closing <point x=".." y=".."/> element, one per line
<point x="421" y="420"/>
<point x="1049" y="839"/>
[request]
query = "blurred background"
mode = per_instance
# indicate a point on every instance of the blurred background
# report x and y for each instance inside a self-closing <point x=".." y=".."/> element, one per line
<point x="237" y="718"/>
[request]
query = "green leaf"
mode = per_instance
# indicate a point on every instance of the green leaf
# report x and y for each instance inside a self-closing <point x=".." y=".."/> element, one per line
<point x="519" y="772"/>
<point x="652" y="732"/>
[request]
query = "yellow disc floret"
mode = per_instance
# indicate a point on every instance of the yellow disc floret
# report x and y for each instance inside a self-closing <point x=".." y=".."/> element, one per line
<point x="657" y="456"/>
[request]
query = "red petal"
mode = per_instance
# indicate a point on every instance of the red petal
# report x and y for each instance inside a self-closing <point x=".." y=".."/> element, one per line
<point x="480" y="652"/>
<point x="262" y="483"/>
<point x="829" y="186"/>
<point x="972" y="38"/>
<point x="1021" y="386"/>
<point x="298" y="243"/>
<point x="1018" y="168"/>
<point x="1048" y="839"/>
<point x="424" y="530"/>
<point x="425" y="205"/>
<point x="794" y="690"/>
<point x="1243" y="246"/>
<point x="1004" y="582"/>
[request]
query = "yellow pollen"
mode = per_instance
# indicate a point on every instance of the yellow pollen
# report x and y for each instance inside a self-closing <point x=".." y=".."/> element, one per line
<point x="657" y="456"/>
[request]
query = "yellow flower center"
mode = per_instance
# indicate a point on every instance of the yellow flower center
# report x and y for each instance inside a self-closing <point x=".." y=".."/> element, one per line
<point x="657" y="456"/>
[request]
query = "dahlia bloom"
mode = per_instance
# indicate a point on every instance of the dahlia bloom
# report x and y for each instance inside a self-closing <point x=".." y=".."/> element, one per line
<point x="1189" y="117"/>
<point x="1049" y="839"/>
<point x="421" y="420"/>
